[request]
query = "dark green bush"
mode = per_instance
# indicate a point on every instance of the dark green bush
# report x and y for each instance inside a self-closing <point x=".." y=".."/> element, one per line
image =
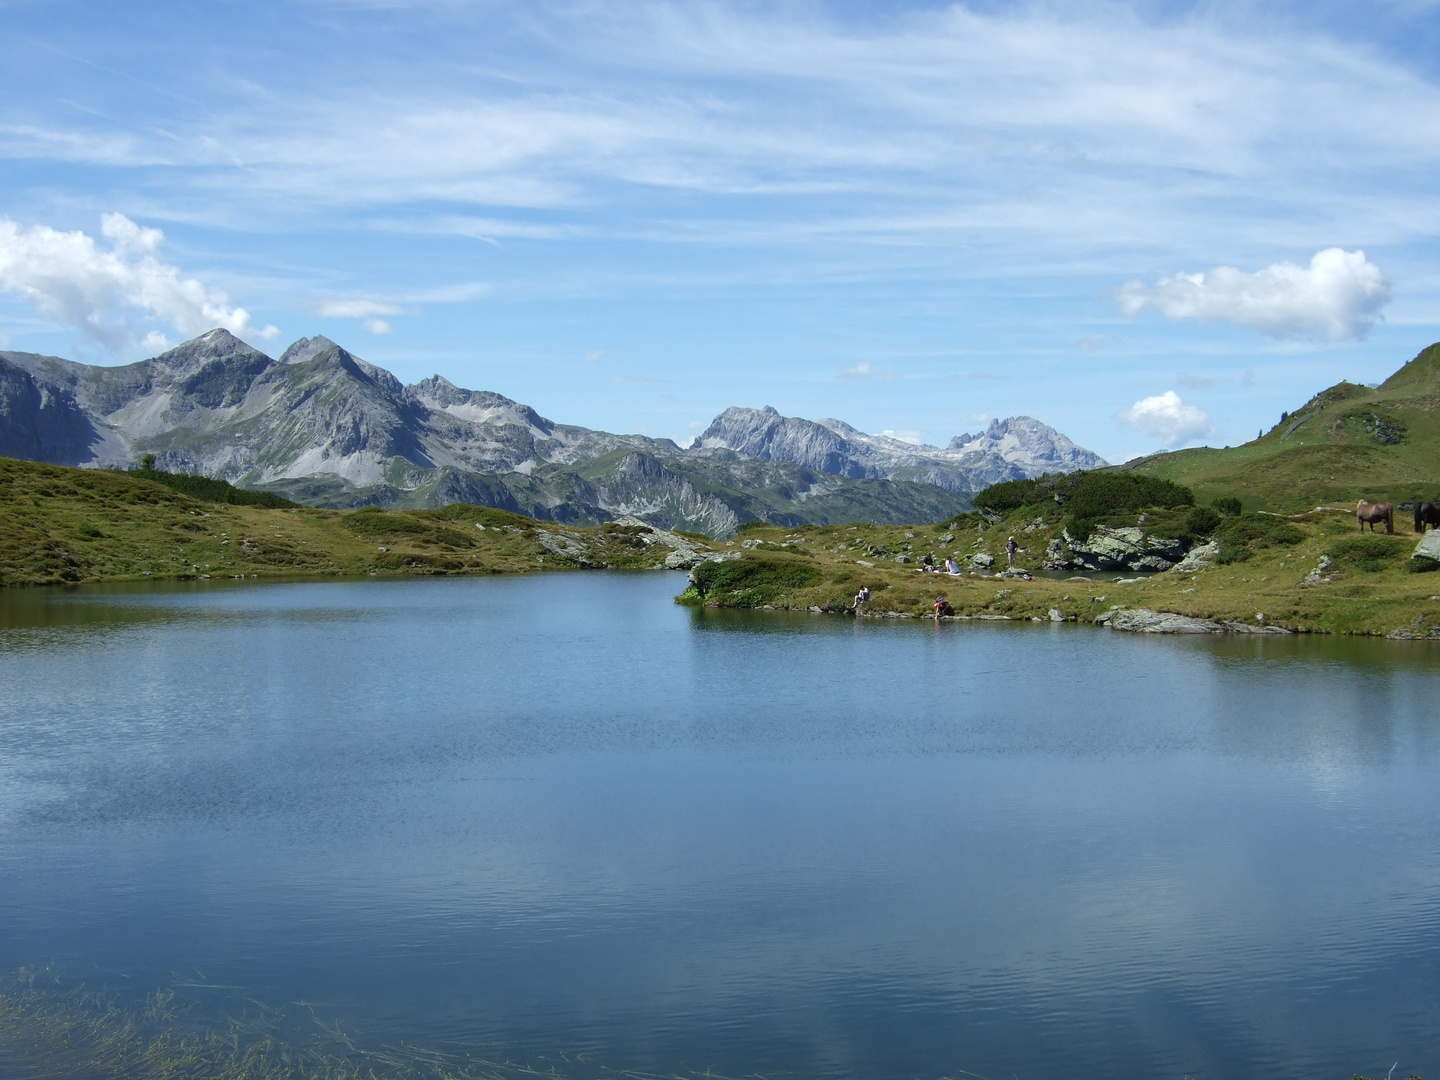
<point x="1085" y="495"/>
<point x="1202" y="521"/>
<point x="375" y="522"/>
<point x="750" y="582"/>
<point x="1421" y="564"/>
<point x="1266" y="530"/>
<point x="1228" y="505"/>
<point x="216" y="491"/>
<point x="1233" y="554"/>
<point x="1371" y="554"/>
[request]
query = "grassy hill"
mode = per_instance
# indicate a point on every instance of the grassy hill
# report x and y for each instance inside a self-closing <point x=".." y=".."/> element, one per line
<point x="1346" y="443"/>
<point x="60" y="524"/>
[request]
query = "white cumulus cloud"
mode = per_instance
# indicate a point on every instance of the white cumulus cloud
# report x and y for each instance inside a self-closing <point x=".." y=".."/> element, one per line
<point x="114" y="296"/>
<point x="1167" y="418"/>
<point x="1336" y="298"/>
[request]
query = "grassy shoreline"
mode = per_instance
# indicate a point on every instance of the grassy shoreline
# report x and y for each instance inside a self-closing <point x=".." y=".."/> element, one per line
<point x="61" y="525"/>
<point x="1364" y="587"/>
<point x="64" y="525"/>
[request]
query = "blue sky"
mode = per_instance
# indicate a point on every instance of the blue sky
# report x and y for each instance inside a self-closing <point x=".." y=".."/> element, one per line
<point x="1147" y="224"/>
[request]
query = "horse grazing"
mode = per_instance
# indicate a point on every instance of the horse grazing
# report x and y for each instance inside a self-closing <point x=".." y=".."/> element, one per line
<point x="1426" y="514"/>
<point x="1373" y="512"/>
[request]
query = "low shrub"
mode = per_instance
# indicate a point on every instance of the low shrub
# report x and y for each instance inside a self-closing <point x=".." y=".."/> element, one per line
<point x="1086" y="495"/>
<point x="1421" y="564"/>
<point x="1202" y="521"/>
<point x="373" y="521"/>
<point x="1261" y="529"/>
<point x="750" y="582"/>
<point x="1371" y="554"/>
<point x="216" y="491"/>
<point x="1228" y="505"/>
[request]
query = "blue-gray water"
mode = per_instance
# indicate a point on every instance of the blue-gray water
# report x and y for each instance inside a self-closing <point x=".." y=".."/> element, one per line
<point x="560" y="813"/>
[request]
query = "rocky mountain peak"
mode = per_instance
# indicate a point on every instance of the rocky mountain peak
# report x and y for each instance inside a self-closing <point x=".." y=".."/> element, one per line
<point x="307" y="349"/>
<point x="1029" y="443"/>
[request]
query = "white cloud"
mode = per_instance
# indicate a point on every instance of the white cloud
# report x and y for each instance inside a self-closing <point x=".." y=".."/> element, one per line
<point x="1337" y="297"/>
<point x="357" y="309"/>
<point x="376" y="326"/>
<point x="1167" y="418"/>
<point x="72" y="280"/>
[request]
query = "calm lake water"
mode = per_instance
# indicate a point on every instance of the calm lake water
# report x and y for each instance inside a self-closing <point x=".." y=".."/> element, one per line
<point x="560" y="814"/>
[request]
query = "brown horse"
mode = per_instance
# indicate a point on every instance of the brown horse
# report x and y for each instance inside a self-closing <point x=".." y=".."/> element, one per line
<point x="1373" y="512"/>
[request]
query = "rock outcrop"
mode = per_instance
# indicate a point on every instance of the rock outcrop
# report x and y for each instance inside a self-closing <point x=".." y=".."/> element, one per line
<point x="1428" y="547"/>
<point x="1144" y="621"/>
<point x="1113" y="549"/>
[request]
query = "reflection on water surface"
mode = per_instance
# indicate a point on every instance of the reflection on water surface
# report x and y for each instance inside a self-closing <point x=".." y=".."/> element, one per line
<point x="527" y="816"/>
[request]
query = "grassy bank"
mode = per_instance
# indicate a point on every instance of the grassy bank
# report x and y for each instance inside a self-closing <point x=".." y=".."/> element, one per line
<point x="60" y="524"/>
<point x="1347" y="442"/>
<point x="1366" y="585"/>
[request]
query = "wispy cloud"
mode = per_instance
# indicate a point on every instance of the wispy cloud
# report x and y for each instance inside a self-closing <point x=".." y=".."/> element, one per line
<point x="115" y="296"/>
<point x="357" y="309"/>
<point x="932" y="114"/>
<point x="865" y="370"/>
<point x="1337" y="297"/>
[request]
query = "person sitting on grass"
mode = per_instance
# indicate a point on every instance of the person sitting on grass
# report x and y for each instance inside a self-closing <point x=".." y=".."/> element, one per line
<point x="928" y="563"/>
<point x="862" y="596"/>
<point x="951" y="566"/>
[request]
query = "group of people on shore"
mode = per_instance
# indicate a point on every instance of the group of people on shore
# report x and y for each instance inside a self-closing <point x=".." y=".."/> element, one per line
<point x="951" y="567"/>
<point x="927" y="564"/>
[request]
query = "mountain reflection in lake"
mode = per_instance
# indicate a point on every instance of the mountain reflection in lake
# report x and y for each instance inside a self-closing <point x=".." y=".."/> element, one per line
<point x="560" y="813"/>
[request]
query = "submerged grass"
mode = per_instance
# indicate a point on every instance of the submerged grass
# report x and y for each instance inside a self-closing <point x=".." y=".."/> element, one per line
<point x="53" y="1031"/>
<point x="49" y="1031"/>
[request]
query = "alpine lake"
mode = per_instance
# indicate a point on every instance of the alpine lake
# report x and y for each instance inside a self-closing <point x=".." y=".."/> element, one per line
<point x="555" y="824"/>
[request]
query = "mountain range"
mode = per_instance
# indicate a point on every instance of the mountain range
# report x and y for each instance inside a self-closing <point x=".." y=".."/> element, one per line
<point x="324" y="427"/>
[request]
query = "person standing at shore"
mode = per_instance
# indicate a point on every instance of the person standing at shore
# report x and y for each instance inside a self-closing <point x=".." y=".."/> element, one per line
<point x="1010" y="548"/>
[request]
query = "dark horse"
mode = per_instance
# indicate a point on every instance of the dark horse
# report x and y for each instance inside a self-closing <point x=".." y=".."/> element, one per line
<point x="1426" y="514"/>
<point x="1373" y="512"/>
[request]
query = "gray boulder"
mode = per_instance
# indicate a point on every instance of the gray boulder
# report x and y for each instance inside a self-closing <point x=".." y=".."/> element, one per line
<point x="1197" y="558"/>
<point x="1144" y="621"/>
<point x="982" y="561"/>
<point x="1113" y="549"/>
<point x="1428" y="547"/>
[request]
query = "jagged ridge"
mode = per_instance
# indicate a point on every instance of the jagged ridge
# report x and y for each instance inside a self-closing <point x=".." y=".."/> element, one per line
<point x="323" y="426"/>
